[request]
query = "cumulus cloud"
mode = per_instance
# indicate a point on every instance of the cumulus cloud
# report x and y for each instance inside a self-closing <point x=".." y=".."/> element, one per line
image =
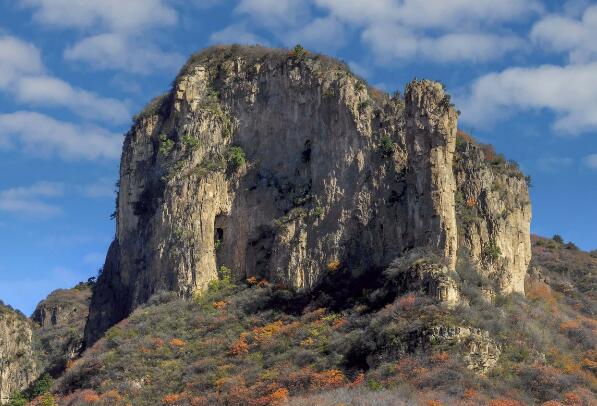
<point x="113" y="15"/>
<point x="570" y="92"/>
<point x="120" y="32"/>
<point x="23" y="74"/>
<point x="17" y="59"/>
<point x="115" y="51"/>
<point x="237" y="34"/>
<point x="591" y="161"/>
<point x="398" y="30"/>
<point x="45" y="90"/>
<point x="40" y="135"/>
<point x="393" y="42"/>
<point x="576" y="37"/>
<point x="29" y="200"/>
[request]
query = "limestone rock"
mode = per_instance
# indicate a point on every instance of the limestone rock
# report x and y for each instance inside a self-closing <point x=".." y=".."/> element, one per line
<point x="59" y="322"/>
<point x="17" y="363"/>
<point x="276" y="166"/>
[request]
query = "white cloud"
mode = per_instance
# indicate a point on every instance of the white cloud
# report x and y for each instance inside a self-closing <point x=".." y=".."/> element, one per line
<point x="553" y="163"/>
<point x="398" y="30"/>
<point x="22" y="74"/>
<point x="45" y="90"/>
<point x="236" y="34"/>
<point x="121" y="31"/>
<point x="115" y="51"/>
<point x="576" y="37"/>
<point x="29" y="200"/>
<point x="103" y="187"/>
<point x="570" y="92"/>
<point x="38" y="134"/>
<point x="591" y="161"/>
<point x="430" y="13"/>
<point x="392" y="42"/>
<point x="113" y="15"/>
<point x="18" y="58"/>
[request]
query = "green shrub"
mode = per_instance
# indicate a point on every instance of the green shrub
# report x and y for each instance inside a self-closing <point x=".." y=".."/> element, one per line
<point x="558" y="238"/>
<point x="190" y="142"/>
<point x="298" y="52"/>
<point x="166" y="145"/>
<point x="386" y="146"/>
<point x="235" y="158"/>
<point x="18" y="399"/>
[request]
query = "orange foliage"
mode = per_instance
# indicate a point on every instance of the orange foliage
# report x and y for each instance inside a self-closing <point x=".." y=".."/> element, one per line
<point x="505" y="402"/>
<point x="440" y="357"/>
<point x="470" y="394"/>
<point x="333" y="266"/>
<point x="339" y="323"/>
<point x="358" y="380"/>
<point x="542" y="292"/>
<point x="252" y="281"/>
<point x="261" y="334"/>
<point x="279" y="396"/>
<point x="112" y="396"/>
<point x="432" y="402"/>
<point x="465" y="137"/>
<point x="570" y="325"/>
<point x="263" y="283"/>
<point x="219" y="305"/>
<point x="407" y="302"/>
<point x="572" y="399"/>
<point x="70" y="363"/>
<point x="90" y="397"/>
<point x="332" y="378"/>
<point x="177" y="342"/>
<point x="172" y="398"/>
<point x="199" y="401"/>
<point x="240" y="346"/>
<point x="471" y="201"/>
<point x="158" y="342"/>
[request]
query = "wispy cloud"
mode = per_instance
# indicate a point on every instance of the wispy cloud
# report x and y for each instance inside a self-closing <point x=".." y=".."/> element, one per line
<point x="575" y="37"/>
<point x="570" y="92"/>
<point x="119" y="29"/>
<point x="40" y="135"/>
<point x="99" y="188"/>
<point x="591" y="161"/>
<point x="23" y="74"/>
<point x="31" y="200"/>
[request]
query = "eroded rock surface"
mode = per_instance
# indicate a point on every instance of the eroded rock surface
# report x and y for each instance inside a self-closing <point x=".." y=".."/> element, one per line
<point x="17" y="363"/>
<point x="283" y="167"/>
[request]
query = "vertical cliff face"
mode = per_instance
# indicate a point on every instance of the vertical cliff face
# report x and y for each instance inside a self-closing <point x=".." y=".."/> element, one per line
<point x="17" y="365"/>
<point x="277" y="166"/>
<point x="494" y="211"/>
<point x="431" y="139"/>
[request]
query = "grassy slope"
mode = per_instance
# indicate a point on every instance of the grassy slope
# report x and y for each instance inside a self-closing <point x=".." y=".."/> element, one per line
<point x="258" y="344"/>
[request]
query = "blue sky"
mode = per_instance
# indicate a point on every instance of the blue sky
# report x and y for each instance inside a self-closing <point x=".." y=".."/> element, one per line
<point x="73" y="72"/>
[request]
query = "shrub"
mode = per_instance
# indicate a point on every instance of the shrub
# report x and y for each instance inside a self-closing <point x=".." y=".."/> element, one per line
<point x="190" y="142"/>
<point x="298" y="52"/>
<point x="491" y="252"/>
<point x="386" y="146"/>
<point x="166" y="145"/>
<point x="558" y="238"/>
<point x="235" y="158"/>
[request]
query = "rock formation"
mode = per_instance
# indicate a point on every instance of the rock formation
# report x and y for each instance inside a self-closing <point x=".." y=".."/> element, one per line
<point x="60" y="322"/>
<point x="286" y="166"/>
<point x="17" y="364"/>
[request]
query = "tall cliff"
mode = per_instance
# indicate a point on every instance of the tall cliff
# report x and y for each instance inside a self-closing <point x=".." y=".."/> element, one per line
<point x="17" y="363"/>
<point x="286" y="166"/>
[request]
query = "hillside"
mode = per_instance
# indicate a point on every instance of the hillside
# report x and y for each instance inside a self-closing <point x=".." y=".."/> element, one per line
<point x="255" y="343"/>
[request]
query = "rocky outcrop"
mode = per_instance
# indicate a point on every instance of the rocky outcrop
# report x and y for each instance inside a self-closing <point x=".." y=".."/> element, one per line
<point x="431" y="123"/>
<point x="280" y="166"/>
<point x="17" y="364"/>
<point x="494" y="211"/>
<point x="59" y="322"/>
